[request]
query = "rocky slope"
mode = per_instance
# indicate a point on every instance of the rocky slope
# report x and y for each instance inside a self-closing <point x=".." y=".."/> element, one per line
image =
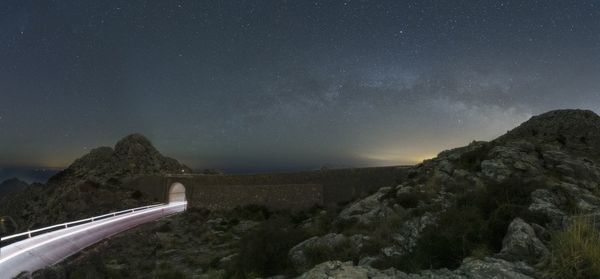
<point x="488" y="210"/>
<point x="91" y="185"/>
<point x="520" y="206"/>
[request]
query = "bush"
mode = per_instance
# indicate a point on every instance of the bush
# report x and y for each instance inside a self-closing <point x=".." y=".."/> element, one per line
<point x="457" y="233"/>
<point x="136" y="195"/>
<point x="474" y="226"/>
<point x="250" y="212"/>
<point x="381" y="234"/>
<point x="575" y="251"/>
<point x="166" y="271"/>
<point x="471" y="160"/>
<point x="499" y="204"/>
<point x="412" y="199"/>
<point x="264" y="251"/>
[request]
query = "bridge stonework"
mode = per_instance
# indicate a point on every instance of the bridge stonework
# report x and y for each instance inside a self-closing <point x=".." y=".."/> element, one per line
<point x="218" y="192"/>
<point x="220" y="197"/>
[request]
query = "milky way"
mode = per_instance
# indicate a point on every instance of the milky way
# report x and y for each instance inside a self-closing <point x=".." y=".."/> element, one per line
<point x="272" y="85"/>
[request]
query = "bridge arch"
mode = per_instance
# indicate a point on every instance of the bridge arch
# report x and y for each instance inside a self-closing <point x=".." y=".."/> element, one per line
<point x="176" y="193"/>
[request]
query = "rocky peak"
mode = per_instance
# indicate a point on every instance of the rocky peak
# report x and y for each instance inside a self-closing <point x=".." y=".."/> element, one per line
<point x="571" y="128"/>
<point x="93" y="159"/>
<point x="132" y="155"/>
<point x="135" y="145"/>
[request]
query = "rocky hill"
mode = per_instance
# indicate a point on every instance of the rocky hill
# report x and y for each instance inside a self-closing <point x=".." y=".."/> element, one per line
<point x="91" y="185"/>
<point x="132" y="155"/>
<point x="499" y="209"/>
<point x="521" y="206"/>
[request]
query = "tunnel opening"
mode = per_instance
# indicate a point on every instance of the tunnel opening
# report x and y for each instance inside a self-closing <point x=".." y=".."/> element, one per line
<point x="177" y="193"/>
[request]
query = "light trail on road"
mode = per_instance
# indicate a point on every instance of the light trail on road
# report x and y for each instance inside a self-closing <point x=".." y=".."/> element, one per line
<point x="50" y="248"/>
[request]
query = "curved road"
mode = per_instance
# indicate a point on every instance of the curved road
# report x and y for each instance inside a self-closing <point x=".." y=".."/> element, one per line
<point x="50" y="248"/>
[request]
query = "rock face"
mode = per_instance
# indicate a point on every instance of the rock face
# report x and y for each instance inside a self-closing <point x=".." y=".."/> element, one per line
<point x="91" y="185"/>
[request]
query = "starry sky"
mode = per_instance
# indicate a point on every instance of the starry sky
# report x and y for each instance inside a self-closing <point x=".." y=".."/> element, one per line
<point x="282" y="85"/>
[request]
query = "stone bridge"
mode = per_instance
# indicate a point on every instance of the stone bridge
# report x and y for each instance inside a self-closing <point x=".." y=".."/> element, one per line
<point x="274" y="191"/>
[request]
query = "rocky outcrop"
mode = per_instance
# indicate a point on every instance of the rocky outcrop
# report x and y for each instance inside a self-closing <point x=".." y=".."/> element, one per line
<point x="366" y="210"/>
<point x="576" y="130"/>
<point x="488" y="268"/>
<point x="551" y="162"/>
<point x="491" y="268"/>
<point x="405" y="237"/>
<point x="338" y="269"/>
<point x="517" y="158"/>
<point x="300" y="255"/>
<point x="522" y="244"/>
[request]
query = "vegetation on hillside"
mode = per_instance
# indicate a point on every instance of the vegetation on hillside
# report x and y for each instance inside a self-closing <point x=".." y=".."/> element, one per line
<point x="576" y="250"/>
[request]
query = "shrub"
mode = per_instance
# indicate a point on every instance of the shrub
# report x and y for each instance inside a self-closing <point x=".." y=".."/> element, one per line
<point x="250" y="212"/>
<point x="480" y="252"/>
<point x="165" y="227"/>
<point x="575" y="251"/>
<point x="499" y="204"/>
<point x="474" y="226"/>
<point x="471" y="160"/>
<point x="166" y="271"/>
<point x="457" y="233"/>
<point x="381" y="234"/>
<point x="136" y="195"/>
<point x="264" y="251"/>
<point x="412" y="199"/>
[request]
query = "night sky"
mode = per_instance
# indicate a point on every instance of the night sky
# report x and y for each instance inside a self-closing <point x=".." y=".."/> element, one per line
<point x="274" y="85"/>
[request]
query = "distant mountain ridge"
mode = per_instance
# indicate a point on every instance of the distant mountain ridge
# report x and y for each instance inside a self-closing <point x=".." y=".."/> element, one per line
<point x="28" y="174"/>
<point x="12" y="185"/>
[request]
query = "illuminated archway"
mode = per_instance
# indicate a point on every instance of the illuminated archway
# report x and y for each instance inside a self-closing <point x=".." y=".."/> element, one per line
<point x="177" y="193"/>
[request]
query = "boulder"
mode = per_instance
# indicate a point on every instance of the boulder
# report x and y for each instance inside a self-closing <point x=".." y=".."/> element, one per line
<point x="408" y="234"/>
<point x="369" y="209"/>
<point x="346" y="270"/>
<point x="493" y="268"/>
<point x="514" y="159"/>
<point x="227" y="262"/>
<point x="332" y="242"/>
<point x="446" y="166"/>
<point x="522" y="244"/>
<point x="488" y="268"/>
<point x="547" y="203"/>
